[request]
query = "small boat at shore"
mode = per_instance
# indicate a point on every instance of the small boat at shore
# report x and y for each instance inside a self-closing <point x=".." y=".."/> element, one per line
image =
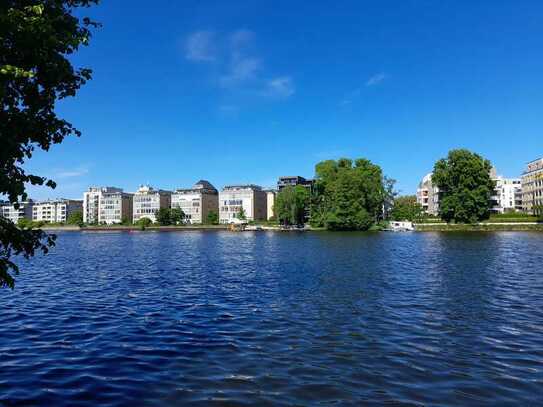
<point x="400" y="226"/>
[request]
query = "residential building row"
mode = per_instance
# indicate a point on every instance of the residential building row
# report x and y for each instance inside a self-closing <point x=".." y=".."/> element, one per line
<point x="111" y="205"/>
<point x="49" y="211"/>
<point x="510" y="194"/>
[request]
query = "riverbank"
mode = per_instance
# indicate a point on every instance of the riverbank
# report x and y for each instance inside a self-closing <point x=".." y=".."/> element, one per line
<point x="480" y="227"/>
<point x="419" y="227"/>
<point x="119" y="228"/>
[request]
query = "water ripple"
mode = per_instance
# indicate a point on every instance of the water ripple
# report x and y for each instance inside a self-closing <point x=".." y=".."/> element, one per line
<point x="215" y="318"/>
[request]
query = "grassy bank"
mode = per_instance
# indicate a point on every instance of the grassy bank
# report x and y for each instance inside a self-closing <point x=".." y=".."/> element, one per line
<point x="480" y="227"/>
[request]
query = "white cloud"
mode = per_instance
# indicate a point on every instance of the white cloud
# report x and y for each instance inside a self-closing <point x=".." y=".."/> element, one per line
<point x="238" y="66"/>
<point x="200" y="46"/>
<point x="71" y="173"/>
<point x="242" y="69"/>
<point x="281" y="86"/>
<point x="376" y="79"/>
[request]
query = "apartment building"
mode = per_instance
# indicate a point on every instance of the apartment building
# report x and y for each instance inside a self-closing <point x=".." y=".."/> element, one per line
<point x="428" y="196"/>
<point x="507" y="195"/>
<point x="147" y="201"/>
<point x="270" y="203"/>
<point x="55" y="210"/>
<point x="10" y="212"/>
<point x="197" y="202"/>
<point x="233" y="198"/>
<point x="91" y="202"/>
<point x="532" y="187"/>
<point x="293" y="181"/>
<point x="115" y="207"/>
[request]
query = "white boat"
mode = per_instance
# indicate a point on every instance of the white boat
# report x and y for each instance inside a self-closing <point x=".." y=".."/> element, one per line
<point x="400" y="226"/>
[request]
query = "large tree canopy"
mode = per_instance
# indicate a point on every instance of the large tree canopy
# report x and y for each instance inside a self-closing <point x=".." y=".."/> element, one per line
<point x="347" y="196"/>
<point x="36" y="39"/>
<point x="406" y="208"/>
<point x="290" y="205"/>
<point x="465" y="186"/>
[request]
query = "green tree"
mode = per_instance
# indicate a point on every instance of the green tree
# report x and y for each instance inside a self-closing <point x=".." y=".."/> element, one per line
<point x="144" y="222"/>
<point x="390" y="195"/>
<point x="212" y="218"/>
<point x="465" y="186"/>
<point x="241" y="214"/>
<point x="406" y="208"/>
<point x="177" y="216"/>
<point x="75" y="218"/>
<point x="538" y="211"/>
<point x="347" y="195"/>
<point x="163" y="217"/>
<point x="35" y="40"/>
<point x="290" y="205"/>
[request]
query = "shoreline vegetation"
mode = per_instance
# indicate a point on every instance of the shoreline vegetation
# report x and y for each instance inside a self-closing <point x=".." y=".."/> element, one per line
<point x="419" y="227"/>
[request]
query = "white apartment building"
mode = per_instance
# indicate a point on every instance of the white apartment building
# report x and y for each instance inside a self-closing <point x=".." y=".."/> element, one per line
<point x="233" y="198"/>
<point x="91" y="203"/>
<point x="532" y="187"/>
<point x="506" y="196"/>
<point x="56" y="210"/>
<point x="270" y="203"/>
<point x="428" y="196"/>
<point x="147" y="201"/>
<point x="8" y="211"/>
<point x="115" y="207"/>
<point x="197" y="202"/>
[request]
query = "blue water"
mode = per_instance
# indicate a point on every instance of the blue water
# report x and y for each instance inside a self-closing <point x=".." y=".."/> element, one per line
<point x="217" y="318"/>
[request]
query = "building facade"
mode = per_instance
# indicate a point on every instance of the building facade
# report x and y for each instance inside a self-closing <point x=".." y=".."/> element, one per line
<point x="507" y="196"/>
<point x="147" y="201"/>
<point x="91" y="202"/>
<point x="532" y="187"/>
<point x="115" y="207"/>
<point x="251" y="198"/>
<point x="197" y="202"/>
<point x="56" y="210"/>
<point x="10" y="212"/>
<point x="428" y="196"/>
<point x="293" y="181"/>
<point x="270" y="203"/>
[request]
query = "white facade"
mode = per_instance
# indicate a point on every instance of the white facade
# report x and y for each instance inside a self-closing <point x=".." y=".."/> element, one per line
<point x="55" y="211"/>
<point x="147" y="201"/>
<point x="91" y="202"/>
<point x="13" y="214"/>
<point x="196" y="203"/>
<point x="532" y="187"/>
<point x="115" y="207"/>
<point x="428" y="196"/>
<point x="270" y="203"/>
<point x="506" y="195"/>
<point x="235" y="197"/>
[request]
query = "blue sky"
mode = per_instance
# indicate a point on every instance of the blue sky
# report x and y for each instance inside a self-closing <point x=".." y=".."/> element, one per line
<point x="246" y="91"/>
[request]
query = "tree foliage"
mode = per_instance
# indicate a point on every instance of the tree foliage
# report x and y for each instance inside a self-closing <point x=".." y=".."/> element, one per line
<point x="177" y="216"/>
<point x="164" y="217"/>
<point x="465" y="186"/>
<point x="212" y="218"/>
<point x="290" y="205"/>
<point x="75" y="218"/>
<point x="347" y="195"/>
<point x="35" y="41"/>
<point x="241" y="214"/>
<point x="406" y="208"/>
<point x="144" y="222"/>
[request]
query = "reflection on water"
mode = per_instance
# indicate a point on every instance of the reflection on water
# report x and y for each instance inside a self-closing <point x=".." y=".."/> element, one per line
<point x="216" y="318"/>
